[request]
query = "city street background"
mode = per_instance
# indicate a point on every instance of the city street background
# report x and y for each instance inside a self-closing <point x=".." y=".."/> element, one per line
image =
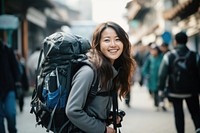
<point x="142" y="117"/>
<point x="25" y="23"/>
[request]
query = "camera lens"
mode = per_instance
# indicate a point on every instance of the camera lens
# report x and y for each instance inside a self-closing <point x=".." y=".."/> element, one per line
<point x="121" y="113"/>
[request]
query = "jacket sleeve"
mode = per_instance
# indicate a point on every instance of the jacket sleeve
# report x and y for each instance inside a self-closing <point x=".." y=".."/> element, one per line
<point x="163" y="73"/>
<point x="81" y="84"/>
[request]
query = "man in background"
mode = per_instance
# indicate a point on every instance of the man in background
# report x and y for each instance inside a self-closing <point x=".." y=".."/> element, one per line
<point x="182" y="67"/>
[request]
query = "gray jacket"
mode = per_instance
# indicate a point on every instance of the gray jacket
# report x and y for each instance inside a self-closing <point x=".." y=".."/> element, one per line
<point x="90" y="121"/>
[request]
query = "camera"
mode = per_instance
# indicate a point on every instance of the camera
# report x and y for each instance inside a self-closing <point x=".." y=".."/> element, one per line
<point x="120" y="113"/>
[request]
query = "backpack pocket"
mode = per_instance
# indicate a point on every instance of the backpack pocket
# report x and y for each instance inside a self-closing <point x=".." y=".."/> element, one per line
<point x="54" y="92"/>
<point x="57" y="98"/>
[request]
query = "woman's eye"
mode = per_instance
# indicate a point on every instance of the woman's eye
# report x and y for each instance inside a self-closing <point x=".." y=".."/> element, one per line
<point x="106" y="40"/>
<point x="117" y="39"/>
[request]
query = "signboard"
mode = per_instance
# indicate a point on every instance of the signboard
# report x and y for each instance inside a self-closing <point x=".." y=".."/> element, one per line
<point x="8" y="22"/>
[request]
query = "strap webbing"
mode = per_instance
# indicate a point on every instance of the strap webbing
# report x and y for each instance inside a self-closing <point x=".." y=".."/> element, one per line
<point x="115" y="109"/>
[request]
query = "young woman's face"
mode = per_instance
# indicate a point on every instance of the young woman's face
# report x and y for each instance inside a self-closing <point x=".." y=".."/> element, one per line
<point x="110" y="44"/>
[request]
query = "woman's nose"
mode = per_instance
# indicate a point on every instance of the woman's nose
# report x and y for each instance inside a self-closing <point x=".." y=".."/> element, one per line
<point x="112" y="43"/>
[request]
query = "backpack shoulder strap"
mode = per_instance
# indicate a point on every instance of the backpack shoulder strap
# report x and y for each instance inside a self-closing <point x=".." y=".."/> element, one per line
<point x="188" y="54"/>
<point x="197" y="58"/>
<point x="95" y="83"/>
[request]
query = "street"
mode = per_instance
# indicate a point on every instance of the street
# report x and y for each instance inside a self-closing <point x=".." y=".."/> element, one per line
<point x="140" y="118"/>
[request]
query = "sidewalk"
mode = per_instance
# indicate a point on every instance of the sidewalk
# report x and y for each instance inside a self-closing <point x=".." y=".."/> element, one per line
<point x="140" y="118"/>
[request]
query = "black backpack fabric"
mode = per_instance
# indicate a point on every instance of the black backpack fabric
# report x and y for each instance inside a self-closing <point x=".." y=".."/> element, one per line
<point x="63" y="54"/>
<point x="183" y="75"/>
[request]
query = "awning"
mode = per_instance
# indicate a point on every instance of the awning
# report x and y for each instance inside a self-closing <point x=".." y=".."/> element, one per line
<point x="36" y="17"/>
<point x="182" y="10"/>
<point x="21" y="6"/>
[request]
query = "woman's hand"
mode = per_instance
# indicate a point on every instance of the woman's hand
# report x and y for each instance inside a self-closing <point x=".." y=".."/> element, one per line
<point x="110" y="130"/>
<point x="118" y="120"/>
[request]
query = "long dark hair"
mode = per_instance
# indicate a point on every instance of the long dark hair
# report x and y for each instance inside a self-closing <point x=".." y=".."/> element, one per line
<point x="124" y="64"/>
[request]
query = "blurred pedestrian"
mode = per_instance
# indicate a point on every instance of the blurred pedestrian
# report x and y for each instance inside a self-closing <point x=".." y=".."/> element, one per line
<point x="140" y="53"/>
<point x="146" y="52"/>
<point x="150" y="71"/>
<point x="9" y="82"/>
<point x="23" y="80"/>
<point x="32" y="65"/>
<point x="164" y="47"/>
<point x="140" y="56"/>
<point x="183" y="86"/>
<point x="135" y="78"/>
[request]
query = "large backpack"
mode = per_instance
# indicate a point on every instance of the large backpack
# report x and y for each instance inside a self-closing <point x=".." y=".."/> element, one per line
<point x="63" y="54"/>
<point x="184" y="72"/>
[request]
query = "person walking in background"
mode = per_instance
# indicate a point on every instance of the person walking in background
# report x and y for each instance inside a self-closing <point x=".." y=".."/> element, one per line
<point x="140" y="56"/>
<point x="24" y="82"/>
<point x="9" y="82"/>
<point x="150" y="71"/>
<point x="135" y="78"/>
<point x="140" y="53"/>
<point x="145" y="49"/>
<point x="32" y="65"/>
<point x="182" y="67"/>
<point x="110" y="53"/>
<point x="164" y="47"/>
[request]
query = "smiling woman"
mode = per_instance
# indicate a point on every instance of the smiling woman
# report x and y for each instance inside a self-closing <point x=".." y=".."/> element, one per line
<point x="110" y="44"/>
<point x="110" y="54"/>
